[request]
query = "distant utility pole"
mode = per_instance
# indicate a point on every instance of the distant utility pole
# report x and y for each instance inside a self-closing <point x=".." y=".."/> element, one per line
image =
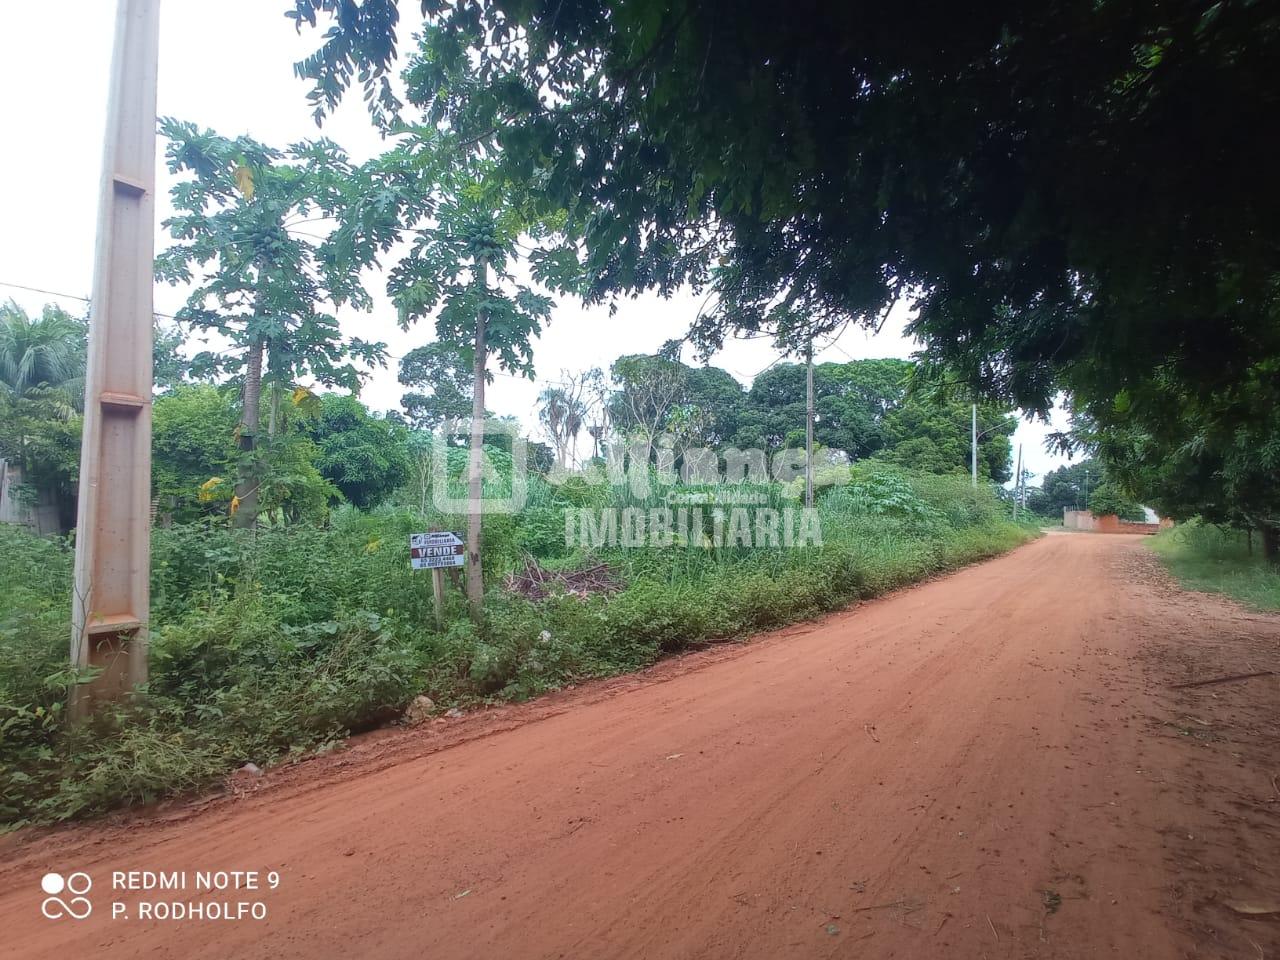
<point x="1017" y="485"/>
<point x="111" y="601"/>
<point x="973" y="454"/>
<point x="808" y="423"/>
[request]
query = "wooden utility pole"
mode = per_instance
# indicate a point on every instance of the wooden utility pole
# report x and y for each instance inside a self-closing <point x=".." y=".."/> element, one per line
<point x="808" y="423"/>
<point x="437" y="596"/>
<point x="475" y="461"/>
<point x="111" y="601"/>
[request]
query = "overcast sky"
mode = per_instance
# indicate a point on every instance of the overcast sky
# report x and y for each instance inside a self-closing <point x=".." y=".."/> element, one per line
<point x="227" y="65"/>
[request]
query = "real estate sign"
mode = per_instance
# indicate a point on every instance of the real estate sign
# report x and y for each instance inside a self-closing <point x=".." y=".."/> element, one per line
<point x="431" y="551"/>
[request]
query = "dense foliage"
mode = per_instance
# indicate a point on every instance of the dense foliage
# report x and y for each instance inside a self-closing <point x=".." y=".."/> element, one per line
<point x="1077" y="194"/>
<point x="277" y="642"/>
<point x="261" y="284"/>
<point x="1086" y="485"/>
<point x="42" y="362"/>
<point x="863" y="408"/>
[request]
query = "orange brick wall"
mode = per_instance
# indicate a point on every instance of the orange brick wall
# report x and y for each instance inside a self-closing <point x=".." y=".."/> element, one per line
<point x="1109" y="523"/>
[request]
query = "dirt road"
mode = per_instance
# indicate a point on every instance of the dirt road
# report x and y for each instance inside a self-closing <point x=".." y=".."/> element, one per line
<point x="994" y="764"/>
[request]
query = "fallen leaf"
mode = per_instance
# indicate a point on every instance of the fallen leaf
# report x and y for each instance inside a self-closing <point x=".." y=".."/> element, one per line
<point x="1253" y="909"/>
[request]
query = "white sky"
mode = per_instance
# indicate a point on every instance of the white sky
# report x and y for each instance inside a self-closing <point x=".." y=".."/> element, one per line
<point x="228" y="65"/>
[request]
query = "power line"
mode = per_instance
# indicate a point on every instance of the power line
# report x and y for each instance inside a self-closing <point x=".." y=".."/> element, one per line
<point x="68" y="296"/>
<point x="51" y="293"/>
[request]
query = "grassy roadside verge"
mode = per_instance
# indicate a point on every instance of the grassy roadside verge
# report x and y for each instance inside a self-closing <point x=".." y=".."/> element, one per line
<point x="1203" y="557"/>
<point x="277" y="643"/>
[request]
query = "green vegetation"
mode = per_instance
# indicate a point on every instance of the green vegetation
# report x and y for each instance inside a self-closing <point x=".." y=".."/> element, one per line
<point x="1087" y="485"/>
<point x="864" y="408"/>
<point x="1020" y="172"/>
<point x="1010" y="172"/>
<point x="276" y="642"/>
<point x="1219" y="560"/>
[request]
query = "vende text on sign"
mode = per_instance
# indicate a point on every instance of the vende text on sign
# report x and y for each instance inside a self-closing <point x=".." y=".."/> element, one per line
<point x="430" y="551"/>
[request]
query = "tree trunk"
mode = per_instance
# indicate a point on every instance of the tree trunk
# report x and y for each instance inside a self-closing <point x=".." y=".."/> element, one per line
<point x="249" y="477"/>
<point x="1271" y="543"/>
<point x="475" y="465"/>
<point x="273" y="416"/>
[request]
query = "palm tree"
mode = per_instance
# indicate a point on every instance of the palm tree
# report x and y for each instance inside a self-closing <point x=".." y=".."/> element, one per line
<point x="42" y="361"/>
<point x="41" y="354"/>
<point x="562" y="414"/>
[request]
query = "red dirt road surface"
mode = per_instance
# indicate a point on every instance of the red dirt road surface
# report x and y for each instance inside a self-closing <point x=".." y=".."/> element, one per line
<point x="994" y="764"/>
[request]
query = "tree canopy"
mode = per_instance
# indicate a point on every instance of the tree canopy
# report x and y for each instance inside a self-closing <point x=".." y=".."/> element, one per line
<point x="1024" y="169"/>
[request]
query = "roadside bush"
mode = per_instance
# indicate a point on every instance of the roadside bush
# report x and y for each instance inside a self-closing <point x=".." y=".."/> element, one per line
<point x="278" y="641"/>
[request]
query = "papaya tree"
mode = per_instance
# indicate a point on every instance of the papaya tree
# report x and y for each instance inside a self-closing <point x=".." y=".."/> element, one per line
<point x="465" y="240"/>
<point x="260" y="279"/>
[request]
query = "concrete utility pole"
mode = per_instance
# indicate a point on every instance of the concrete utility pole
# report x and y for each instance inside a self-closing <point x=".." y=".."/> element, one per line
<point x="808" y="424"/>
<point x="1017" y="485"/>
<point x="973" y="455"/>
<point x="111" y="602"/>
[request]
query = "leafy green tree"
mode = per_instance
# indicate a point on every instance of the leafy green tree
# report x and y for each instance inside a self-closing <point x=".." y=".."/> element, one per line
<point x="851" y="401"/>
<point x="854" y="399"/>
<point x="540" y="458"/>
<point x="649" y="388"/>
<point x="41" y="398"/>
<point x="193" y="450"/>
<point x="718" y="398"/>
<point x="169" y="368"/>
<point x="465" y="238"/>
<point x="1066" y="488"/>
<point x="656" y="394"/>
<point x="774" y="413"/>
<point x="1187" y="456"/>
<point x="1019" y="166"/>
<point x="1013" y="165"/>
<point x="364" y="456"/>
<point x="936" y="437"/>
<point x="1108" y="498"/>
<point x="259" y="280"/>
<point x="439" y="378"/>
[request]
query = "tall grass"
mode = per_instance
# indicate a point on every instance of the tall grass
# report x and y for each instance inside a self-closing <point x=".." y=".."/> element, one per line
<point x="1214" y="560"/>
<point x="278" y="642"/>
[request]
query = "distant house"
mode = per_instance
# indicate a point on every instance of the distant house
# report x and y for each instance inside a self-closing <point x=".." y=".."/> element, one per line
<point x="25" y="506"/>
